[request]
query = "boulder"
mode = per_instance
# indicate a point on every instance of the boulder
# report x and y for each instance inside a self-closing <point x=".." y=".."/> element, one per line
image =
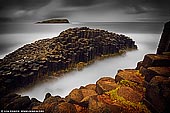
<point x="150" y="72"/>
<point x="96" y="106"/>
<point x="105" y="84"/>
<point x="47" y="96"/>
<point x="75" y="96"/>
<point x="129" y="94"/>
<point x="49" y="104"/>
<point x="64" y="107"/>
<point x="81" y="109"/>
<point x="34" y="102"/>
<point x="91" y="86"/>
<point x="80" y="96"/>
<point x="158" y="93"/>
<point x="51" y="99"/>
<point x="102" y="104"/>
<point x="160" y="71"/>
<point x="139" y="64"/>
<point x="19" y="103"/>
<point x="130" y="75"/>
<point x="87" y="93"/>
<point x="155" y="60"/>
<point x="4" y="101"/>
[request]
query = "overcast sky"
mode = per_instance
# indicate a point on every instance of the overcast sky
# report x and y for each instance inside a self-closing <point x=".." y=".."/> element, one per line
<point x="85" y="10"/>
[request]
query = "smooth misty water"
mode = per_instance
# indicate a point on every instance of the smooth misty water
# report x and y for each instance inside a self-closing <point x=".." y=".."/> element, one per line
<point x="146" y="36"/>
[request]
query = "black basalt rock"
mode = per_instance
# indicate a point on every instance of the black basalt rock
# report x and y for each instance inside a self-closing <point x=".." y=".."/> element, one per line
<point x="164" y="44"/>
<point x="72" y="49"/>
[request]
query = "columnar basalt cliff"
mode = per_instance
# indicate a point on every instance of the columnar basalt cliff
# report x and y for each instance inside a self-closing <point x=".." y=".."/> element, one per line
<point x="164" y="45"/>
<point x="73" y="48"/>
<point x="145" y="89"/>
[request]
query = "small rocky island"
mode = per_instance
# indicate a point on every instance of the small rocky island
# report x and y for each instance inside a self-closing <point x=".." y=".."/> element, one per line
<point x="141" y="90"/>
<point x="52" y="21"/>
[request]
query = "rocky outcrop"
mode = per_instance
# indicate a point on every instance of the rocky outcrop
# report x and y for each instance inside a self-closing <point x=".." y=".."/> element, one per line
<point x="105" y="84"/>
<point x="164" y="44"/>
<point x="104" y="96"/>
<point x="156" y="74"/>
<point x="156" y="70"/>
<point x="145" y="89"/>
<point x="129" y="92"/>
<point x="72" y="49"/>
<point x="52" y="21"/>
<point x="15" y="102"/>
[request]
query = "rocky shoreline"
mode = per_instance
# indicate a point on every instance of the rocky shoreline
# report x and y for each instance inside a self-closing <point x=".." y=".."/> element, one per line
<point x="141" y="90"/>
<point x="72" y="49"/>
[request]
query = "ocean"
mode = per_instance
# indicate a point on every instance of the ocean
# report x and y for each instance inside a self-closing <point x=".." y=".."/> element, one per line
<point x="145" y="34"/>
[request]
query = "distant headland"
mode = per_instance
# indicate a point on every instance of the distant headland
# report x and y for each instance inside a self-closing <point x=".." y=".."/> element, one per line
<point x="53" y="20"/>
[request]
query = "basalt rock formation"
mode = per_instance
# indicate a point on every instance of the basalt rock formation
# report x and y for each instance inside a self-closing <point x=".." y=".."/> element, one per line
<point x="145" y="89"/>
<point x="164" y="45"/>
<point x="72" y="49"/>
<point x="142" y="90"/>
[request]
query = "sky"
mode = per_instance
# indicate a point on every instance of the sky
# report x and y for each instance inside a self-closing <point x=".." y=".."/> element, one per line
<point x="85" y="10"/>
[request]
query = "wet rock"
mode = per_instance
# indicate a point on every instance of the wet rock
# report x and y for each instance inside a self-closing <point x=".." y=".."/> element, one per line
<point x="105" y="84"/>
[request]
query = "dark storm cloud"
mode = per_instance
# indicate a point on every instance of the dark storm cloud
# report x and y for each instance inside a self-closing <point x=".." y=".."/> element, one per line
<point x="58" y="14"/>
<point x="22" y="4"/>
<point x="139" y="6"/>
<point x="131" y="6"/>
<point x="4" y="19"/>
<point x="14" y="10"/>
<point x="79" y="2"/>
<point x="41" y="9"/>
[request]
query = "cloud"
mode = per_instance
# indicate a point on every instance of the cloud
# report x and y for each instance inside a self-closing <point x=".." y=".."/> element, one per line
<point x="79" y="2"/>
<point x="75" y="9"/>
<point x="22" y="4"/>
